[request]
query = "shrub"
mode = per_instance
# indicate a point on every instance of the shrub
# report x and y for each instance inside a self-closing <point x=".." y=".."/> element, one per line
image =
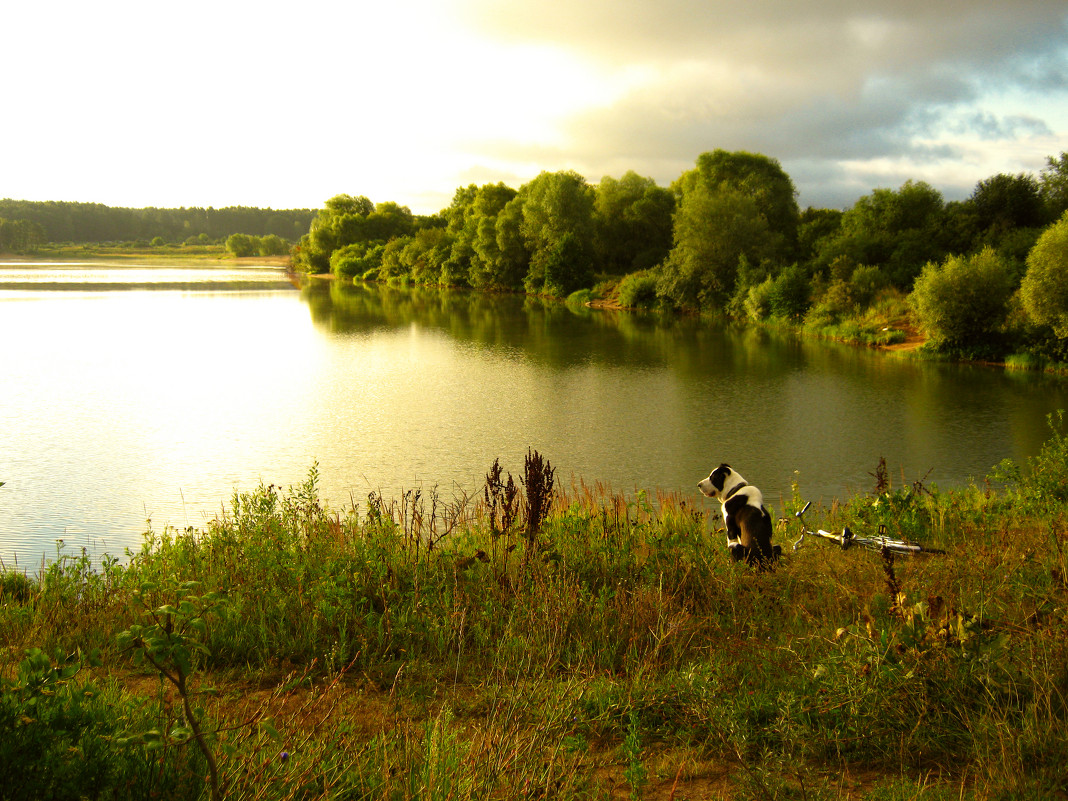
<point x="1044" y="290"/>
<point x="789" y="294"/>
<point x="241" y="245"/>
<point x="865" y="283"/>
<point x="758" y="300"/>
<point x="638" y="290"/>
<point x="962" y="302"/>
<point x="59" y="739"/>
<point x="580" y="297"/>
<point x="355" y="260"/>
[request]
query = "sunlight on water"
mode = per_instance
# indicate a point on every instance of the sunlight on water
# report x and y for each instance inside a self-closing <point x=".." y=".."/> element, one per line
<point x="120" y="406"/>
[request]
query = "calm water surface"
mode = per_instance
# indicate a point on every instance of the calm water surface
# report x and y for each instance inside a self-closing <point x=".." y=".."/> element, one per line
<point x="129" y="394"/>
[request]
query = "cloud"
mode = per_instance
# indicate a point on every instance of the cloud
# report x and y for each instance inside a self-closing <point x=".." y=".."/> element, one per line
<point x="837" y="83"/>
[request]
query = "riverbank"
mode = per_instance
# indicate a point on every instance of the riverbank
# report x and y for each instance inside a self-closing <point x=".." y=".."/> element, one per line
<point x="606" y="650"/>
<point x="162" y="255"/>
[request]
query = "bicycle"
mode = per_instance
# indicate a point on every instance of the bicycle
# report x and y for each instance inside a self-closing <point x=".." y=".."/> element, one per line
<point x="847" y="539"/>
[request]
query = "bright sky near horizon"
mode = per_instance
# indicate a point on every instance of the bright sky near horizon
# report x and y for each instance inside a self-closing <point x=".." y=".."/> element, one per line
<point x="283" y="105"/>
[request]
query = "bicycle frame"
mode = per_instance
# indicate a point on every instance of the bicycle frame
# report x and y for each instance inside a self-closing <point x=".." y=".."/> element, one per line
<point x="847" y="539"/>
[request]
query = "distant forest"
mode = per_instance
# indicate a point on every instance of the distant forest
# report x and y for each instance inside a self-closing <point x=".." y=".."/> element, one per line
<point x="60" y="221"/>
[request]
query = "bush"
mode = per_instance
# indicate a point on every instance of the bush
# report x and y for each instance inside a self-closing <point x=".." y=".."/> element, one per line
<point x="758" y="300"/>
<point x="241" y="245"/>
<point x="59" y="739"/>
<point x="580" y="297"/>
<point x="789" y="294"/>
<point x="964" y="301"/>
<point x="638" y="291"/>
<point x="1044" y="290"/>
<point x="355" y="260"/>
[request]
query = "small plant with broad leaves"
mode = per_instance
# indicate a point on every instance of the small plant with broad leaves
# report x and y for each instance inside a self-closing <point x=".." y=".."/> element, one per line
<point x="171" y="641"/>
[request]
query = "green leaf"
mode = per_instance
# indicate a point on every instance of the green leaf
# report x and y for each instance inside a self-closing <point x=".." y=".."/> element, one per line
<point x="268" y="729"/>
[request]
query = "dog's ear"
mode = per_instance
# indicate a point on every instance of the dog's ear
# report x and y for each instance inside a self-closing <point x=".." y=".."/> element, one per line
<point x="724" y="466"/>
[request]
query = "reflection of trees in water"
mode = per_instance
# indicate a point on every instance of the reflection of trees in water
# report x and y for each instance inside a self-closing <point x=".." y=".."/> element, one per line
<point x="776" y="380"/>
<point x="542" y="329"/>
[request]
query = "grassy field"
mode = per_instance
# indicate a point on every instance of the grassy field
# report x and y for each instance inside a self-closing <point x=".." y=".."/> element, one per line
<point x="543" y="642"/>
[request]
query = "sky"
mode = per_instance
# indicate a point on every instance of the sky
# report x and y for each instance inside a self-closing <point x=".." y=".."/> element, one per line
<point x="283" y="105"/>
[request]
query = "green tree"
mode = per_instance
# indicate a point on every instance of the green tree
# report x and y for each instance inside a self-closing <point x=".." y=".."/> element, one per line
<point x="502" y="249"/>
<point x="632" y="220"/>
<point x="1003" y="202"/>
<point x="1054" y="185"/>
<point x="790" y="293"/>
<point x="756" y="176"/>
<point x="272" y="245"/>
<point x="1044" y="289"/>
<point x="241" y="245"/>
<point x="557" y="206"/>
<point x="896" y="231"/>
<point x="715" y="229"/>
<point x="20" y="236"/>
<point x="471" y="221"/>
<point x="963" y="302"/>
<point x="813" y="226"/>
<point x="388" y="221"/>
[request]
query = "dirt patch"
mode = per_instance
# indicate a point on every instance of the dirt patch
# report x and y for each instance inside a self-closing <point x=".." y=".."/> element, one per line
<point x="913" y="339"/>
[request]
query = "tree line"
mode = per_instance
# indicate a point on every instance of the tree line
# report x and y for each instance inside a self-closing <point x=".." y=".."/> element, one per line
<point x="60" y="221"/>
<point x="728" y="237"/>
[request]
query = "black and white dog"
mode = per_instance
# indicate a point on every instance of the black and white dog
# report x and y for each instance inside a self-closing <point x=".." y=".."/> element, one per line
<point x="748" y="522"/>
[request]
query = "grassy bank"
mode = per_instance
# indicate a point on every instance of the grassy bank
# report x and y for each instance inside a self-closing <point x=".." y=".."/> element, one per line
<point x="169" y="254"/>
<point x="537" y="643"/>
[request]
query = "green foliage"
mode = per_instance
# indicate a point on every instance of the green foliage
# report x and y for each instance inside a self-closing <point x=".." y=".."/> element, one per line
<point x="356" y="260"/>
<point x="567" y="267"/>
<point x="1004" y="202"/>
<point x="61" y="221"/>
<point x="962" y="302"/>
<point x="1044" y="290"/>
<point x="638" y="290"/>
<point x="632" y="219"/>
<point x="172" y="641"/>
<point x="58" y="737"/>
<point x="241" y="245"/>
<point x="755" y="176"/>
<point x="619" y="641"/>
<point x="896" y="231"/>
<point x="758" y="300"/>
<point x="1044" y="483"/>
<point x="1054" y="185"/>
<point x="557" y="226"/>
<point x="347" y="220"/>
<point x="714" y="230"/>
<point x="789" y="293"/>
<point x="15" y="587"/>
<point x="20" y="236"/>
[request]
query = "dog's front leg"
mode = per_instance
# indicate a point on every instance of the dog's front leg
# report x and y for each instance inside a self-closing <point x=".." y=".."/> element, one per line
<point x="734" y="542"/>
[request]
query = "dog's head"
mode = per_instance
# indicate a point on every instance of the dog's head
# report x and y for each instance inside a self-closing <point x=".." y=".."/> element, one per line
<point x="720" y="481"/>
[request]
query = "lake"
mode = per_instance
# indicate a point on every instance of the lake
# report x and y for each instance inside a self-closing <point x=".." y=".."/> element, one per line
<point x="132" y="393"/>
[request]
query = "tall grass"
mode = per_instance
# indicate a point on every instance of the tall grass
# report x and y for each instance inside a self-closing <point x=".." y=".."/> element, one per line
<point x="424" y="648"/>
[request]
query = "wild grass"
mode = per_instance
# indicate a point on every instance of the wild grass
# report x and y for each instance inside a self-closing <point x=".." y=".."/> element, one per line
<point x="603" y="647"/>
